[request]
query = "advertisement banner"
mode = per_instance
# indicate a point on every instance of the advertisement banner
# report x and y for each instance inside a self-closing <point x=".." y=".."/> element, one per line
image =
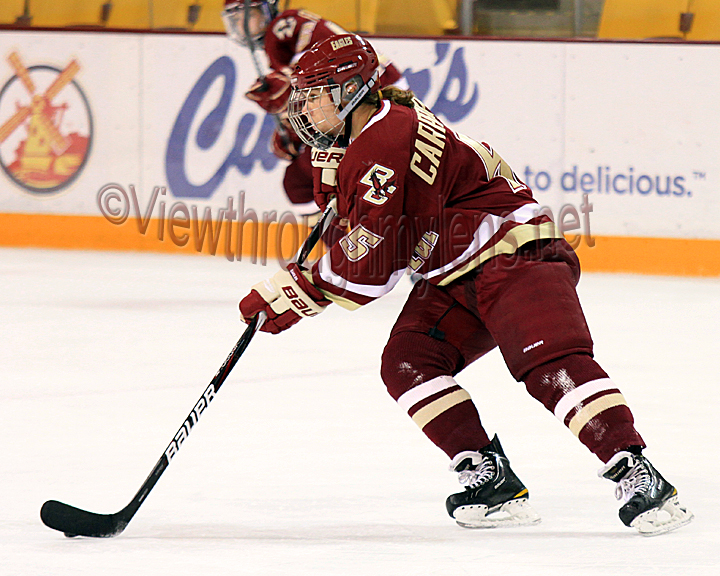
<point x="146" y="141"/>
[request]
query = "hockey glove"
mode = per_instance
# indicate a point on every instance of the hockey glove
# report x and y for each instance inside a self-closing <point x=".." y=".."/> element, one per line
<point x="286" y="298"/>
<point x="271" y="92"/>
<point x="287" y="145"/>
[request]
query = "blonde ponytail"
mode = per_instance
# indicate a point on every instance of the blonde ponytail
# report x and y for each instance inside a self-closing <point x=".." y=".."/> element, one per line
<point x="392" y="93"/>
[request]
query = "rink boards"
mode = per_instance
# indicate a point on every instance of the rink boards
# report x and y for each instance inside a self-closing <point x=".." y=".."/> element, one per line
<point x="128" y="141"/>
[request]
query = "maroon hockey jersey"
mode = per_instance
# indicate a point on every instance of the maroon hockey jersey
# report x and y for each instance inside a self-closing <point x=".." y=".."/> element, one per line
<point x="294" y="31"/>
<point x="423" y="198"/>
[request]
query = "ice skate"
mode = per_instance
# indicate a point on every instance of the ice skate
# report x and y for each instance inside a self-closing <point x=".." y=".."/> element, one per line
<point x="493" y="495"/>
<point x="650" y="502"/>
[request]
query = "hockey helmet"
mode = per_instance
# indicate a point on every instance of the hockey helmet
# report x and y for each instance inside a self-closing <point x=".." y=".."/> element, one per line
<point x="330" y="81"/>
<point x="240" y="24"/>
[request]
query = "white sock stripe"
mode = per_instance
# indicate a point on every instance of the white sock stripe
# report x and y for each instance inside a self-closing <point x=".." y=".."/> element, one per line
<point x="578" y="395"/>
<point x="425" y="390"/>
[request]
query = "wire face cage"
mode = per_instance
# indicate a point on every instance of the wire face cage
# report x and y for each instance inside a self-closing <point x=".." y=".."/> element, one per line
<point x="313" y="113"/>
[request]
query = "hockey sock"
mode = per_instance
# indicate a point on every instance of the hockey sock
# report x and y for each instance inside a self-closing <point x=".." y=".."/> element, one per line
<point x="582" y="396"/>
<point x="416" y="369"/>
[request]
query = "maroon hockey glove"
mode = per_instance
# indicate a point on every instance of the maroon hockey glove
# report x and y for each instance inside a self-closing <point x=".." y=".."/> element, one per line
<point x="287" y="145"/>
<point x="286" y="298"/>
<point x="271" y="92"/>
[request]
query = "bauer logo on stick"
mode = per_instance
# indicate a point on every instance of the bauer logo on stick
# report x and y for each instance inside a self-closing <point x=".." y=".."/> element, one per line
<point x="190" y="421"/>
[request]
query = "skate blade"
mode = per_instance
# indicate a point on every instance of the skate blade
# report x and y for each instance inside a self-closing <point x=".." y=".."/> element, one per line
<point x="510" y="514"/>
<point x="668" y="517"/>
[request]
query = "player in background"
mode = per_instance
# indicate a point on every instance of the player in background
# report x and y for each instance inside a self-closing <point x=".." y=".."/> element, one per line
<point x="285" y="37"/>
<point x="496" y="272"/>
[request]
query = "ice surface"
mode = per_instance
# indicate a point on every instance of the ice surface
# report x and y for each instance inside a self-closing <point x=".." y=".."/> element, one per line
<point x="303" y="465"/>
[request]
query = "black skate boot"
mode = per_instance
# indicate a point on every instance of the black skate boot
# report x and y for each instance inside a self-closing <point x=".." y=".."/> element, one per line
<point x="493" y="495"/>
<point x="650" y="502"/>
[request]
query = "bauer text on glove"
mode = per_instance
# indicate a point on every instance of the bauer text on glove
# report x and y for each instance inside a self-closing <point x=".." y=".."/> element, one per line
<point x="286" y="298"/>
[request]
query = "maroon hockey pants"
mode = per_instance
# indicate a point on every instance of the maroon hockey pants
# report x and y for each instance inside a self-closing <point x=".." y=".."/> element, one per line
<point x="525" y="304"/>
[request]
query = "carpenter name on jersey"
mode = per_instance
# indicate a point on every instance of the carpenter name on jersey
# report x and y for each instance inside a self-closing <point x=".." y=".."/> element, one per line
<point x="421" y="197"/>
<point x="429" y="144"/>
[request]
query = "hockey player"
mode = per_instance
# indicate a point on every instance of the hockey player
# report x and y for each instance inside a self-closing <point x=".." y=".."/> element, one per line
<point x="496" y="272"/>
<point x="285" y="37"/>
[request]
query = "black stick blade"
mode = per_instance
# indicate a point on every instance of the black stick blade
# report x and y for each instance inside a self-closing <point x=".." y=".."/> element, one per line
<point x="76" y="522"/>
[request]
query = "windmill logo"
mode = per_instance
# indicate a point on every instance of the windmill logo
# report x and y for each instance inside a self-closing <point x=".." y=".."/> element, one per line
<point x="45" y="126"/>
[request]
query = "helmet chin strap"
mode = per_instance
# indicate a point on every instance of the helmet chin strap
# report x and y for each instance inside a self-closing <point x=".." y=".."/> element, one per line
<point x="346" y="113"/>
<point x="343" y="140"/>
<point x="359" y="95"/>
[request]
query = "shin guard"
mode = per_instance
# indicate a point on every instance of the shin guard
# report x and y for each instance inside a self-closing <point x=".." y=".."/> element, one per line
<point x="582" y="396"/>
<point x="416" y="369"/>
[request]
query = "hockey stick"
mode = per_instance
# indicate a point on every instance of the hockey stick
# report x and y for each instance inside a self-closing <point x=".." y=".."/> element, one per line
<point x="77" y="522"/>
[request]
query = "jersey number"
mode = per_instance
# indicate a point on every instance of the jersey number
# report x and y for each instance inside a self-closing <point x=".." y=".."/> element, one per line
<point x="494" y="165"/>
<point x="284" y="28"/>
<point x="358" y="243"/>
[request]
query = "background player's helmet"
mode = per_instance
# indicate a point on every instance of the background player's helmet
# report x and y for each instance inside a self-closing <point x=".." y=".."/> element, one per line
<point x="345" y="67"/>
<point x="259" y="15"/>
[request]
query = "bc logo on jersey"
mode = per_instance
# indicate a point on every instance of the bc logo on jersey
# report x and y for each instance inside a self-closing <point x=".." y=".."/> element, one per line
<point x="377" y="178"/>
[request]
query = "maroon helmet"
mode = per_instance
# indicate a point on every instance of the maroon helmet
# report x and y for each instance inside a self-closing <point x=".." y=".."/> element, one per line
<point x="240" y="25"/>
<point x="329" y="82"/>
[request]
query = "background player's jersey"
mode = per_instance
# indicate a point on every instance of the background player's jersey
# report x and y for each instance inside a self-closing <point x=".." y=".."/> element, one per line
<point x="420" y="196"/>
<point x="294" y="31"/>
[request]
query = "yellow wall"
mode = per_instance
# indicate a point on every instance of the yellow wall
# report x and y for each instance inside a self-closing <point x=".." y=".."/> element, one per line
<point x="395" y="17"/>
<point x="366" y="16"/>
<point x="9" y="10"/>
<point x="634" y="19"/>
<point x="432" y="17"/>
<point x="352" y="15"/>
<point x="85" y="12"/>
<point x="173" y="14"/>
<point x="124" y="13"/>
<point x="706" y="25"/>
<point x="641" y="19"/>
<point x="128" y="14"/>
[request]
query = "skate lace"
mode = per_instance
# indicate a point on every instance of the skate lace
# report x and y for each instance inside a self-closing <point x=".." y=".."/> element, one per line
<point x="479" y="476"/>
<point x="636" y="481"/>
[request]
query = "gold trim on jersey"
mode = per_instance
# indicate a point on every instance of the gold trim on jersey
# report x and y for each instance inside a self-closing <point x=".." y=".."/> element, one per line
<point x="340" y="301"/>
<point x="508" y="244"/>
